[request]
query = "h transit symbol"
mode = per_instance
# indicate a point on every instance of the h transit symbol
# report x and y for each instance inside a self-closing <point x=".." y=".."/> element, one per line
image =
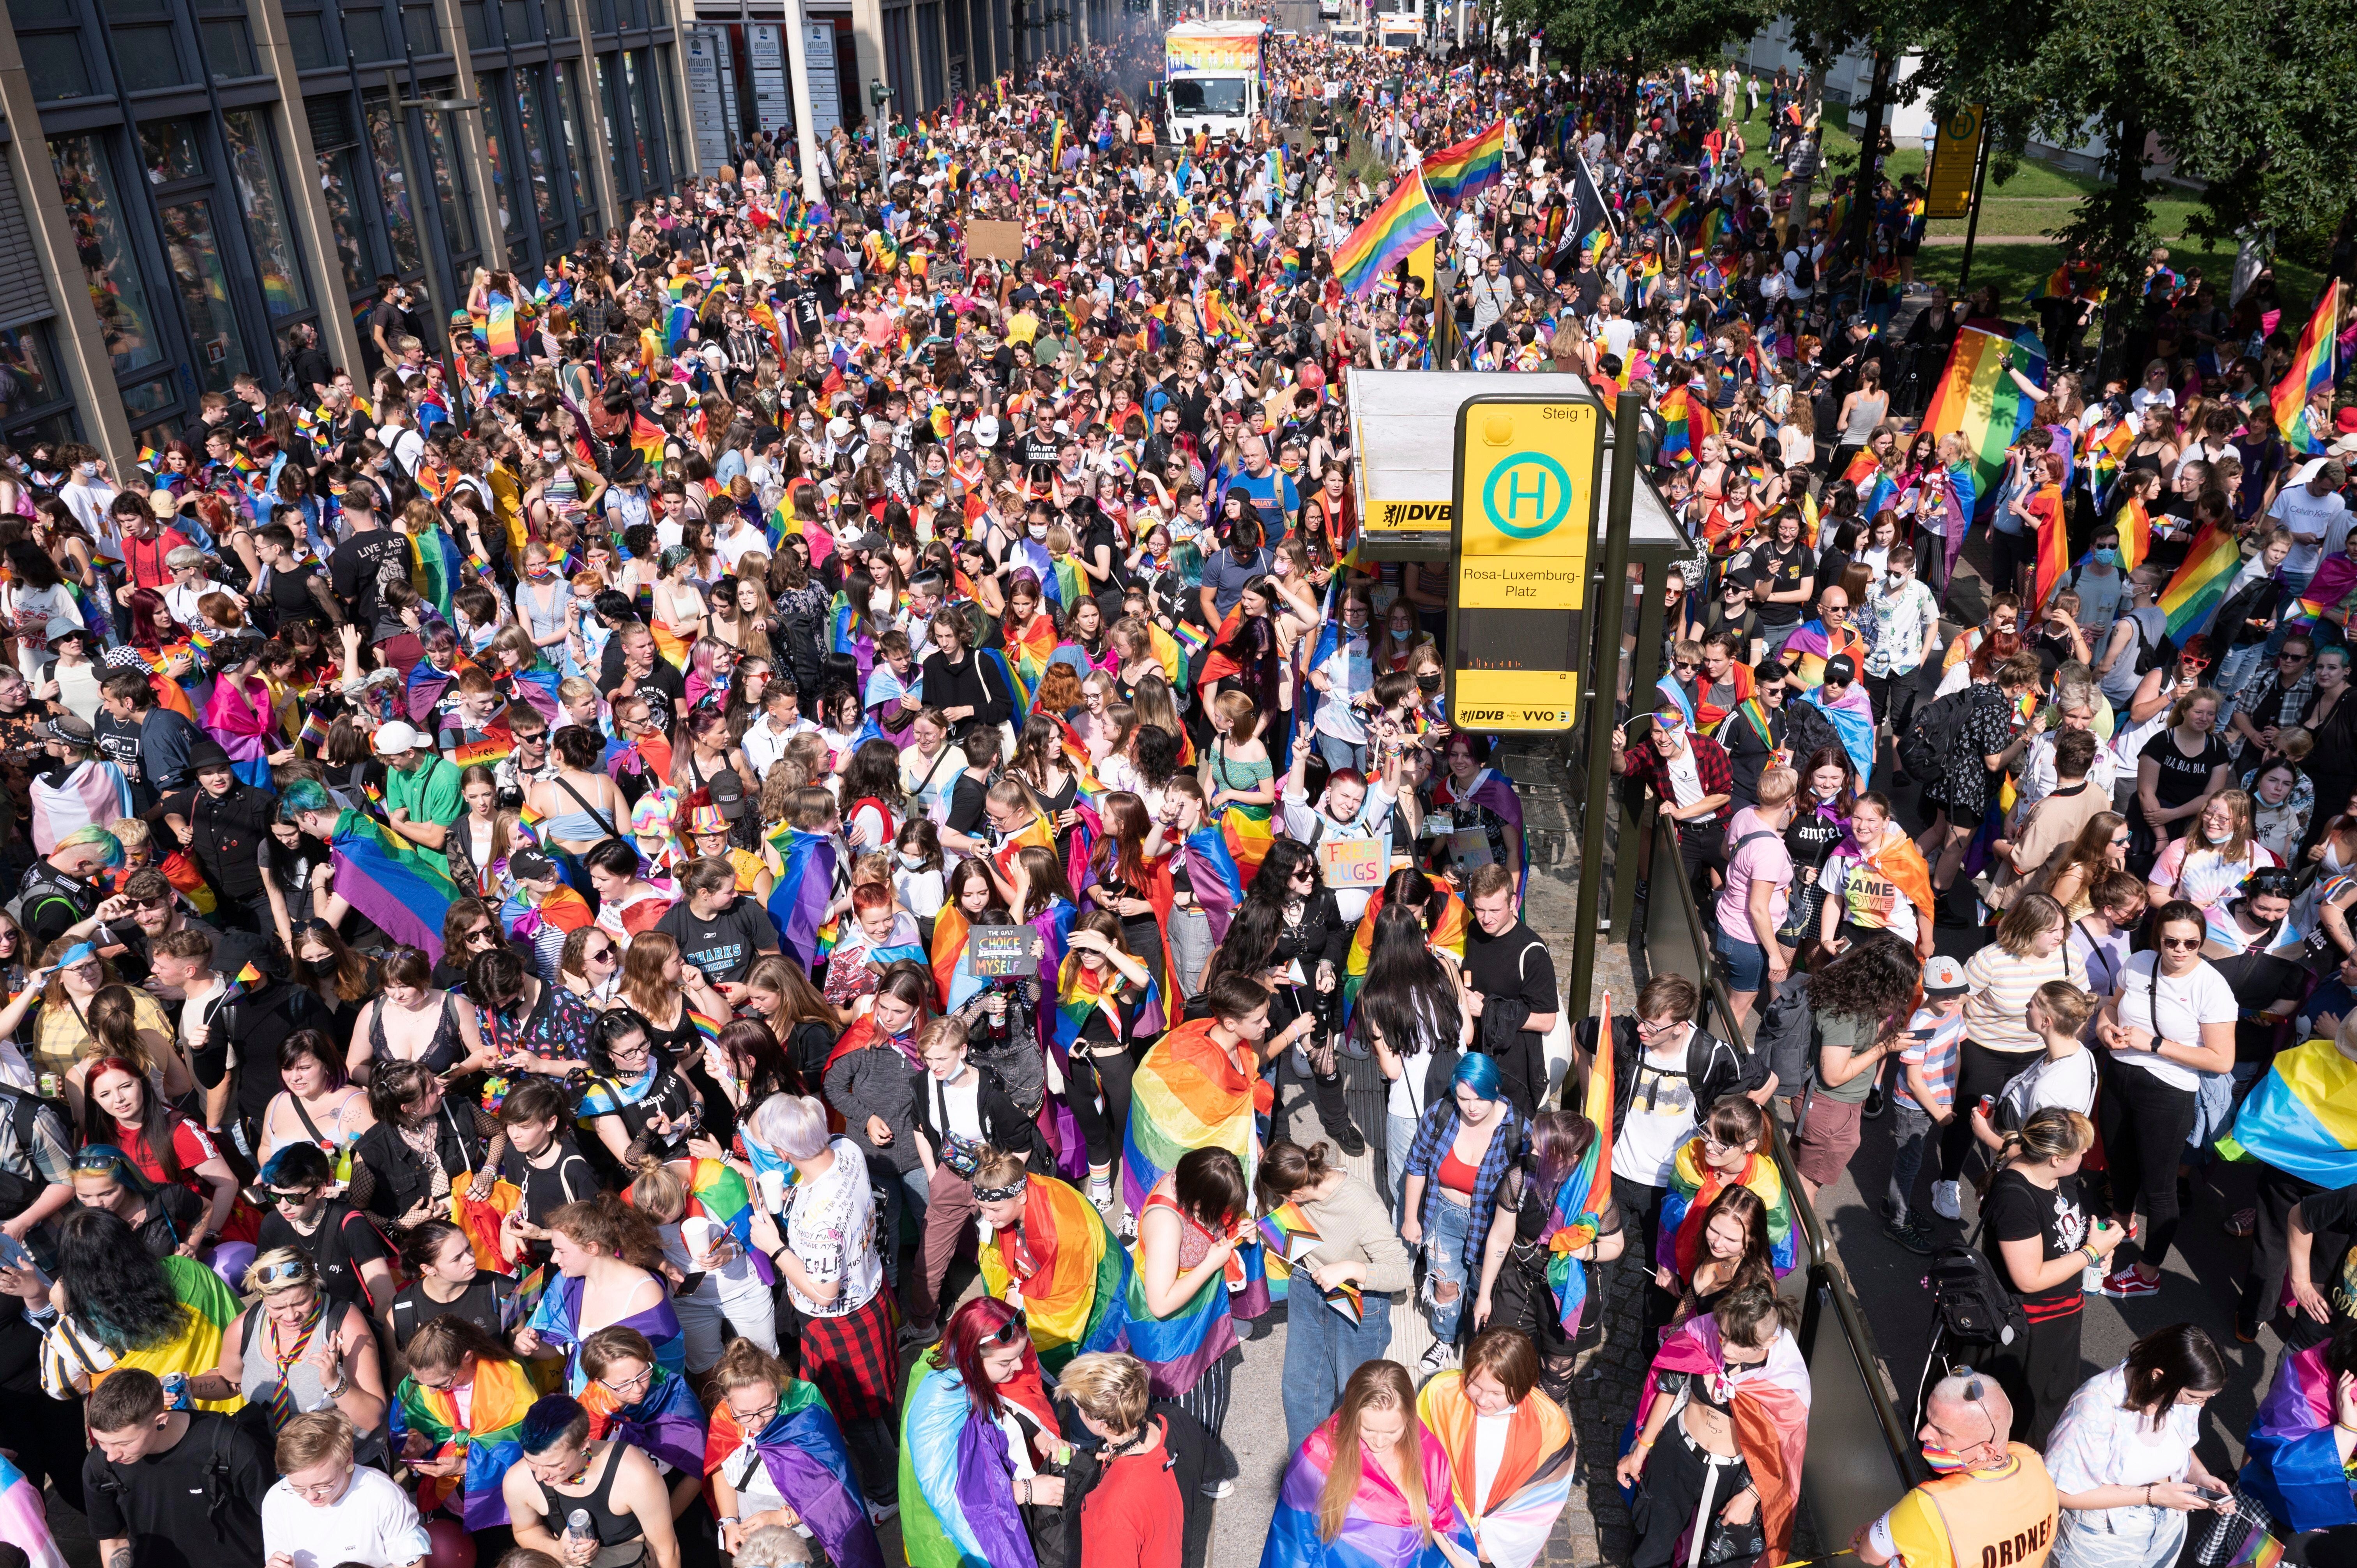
<point x="1531" y="476"/>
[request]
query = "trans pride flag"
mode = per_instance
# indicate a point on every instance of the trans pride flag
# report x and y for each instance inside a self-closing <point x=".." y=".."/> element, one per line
<point x="1379" y="1530"/>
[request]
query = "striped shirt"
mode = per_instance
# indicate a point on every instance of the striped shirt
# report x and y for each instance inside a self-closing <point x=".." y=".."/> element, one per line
<point x="2001" y="986"/>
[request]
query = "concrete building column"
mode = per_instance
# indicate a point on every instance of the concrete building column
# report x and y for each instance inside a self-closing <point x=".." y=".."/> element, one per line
<point x="472" y="129"/>
<point x="868" y="49"/>
<point x="339" y="337"/>
<point x="593" y="133"/>
<point x="83" y="358"/>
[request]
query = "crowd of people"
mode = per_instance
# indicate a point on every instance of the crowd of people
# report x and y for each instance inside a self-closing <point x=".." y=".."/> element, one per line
<point x="700" y="929"/>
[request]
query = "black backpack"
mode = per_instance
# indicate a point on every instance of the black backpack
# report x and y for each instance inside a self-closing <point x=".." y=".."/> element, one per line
<point x="1805" y="272"/>
<point x="1924" y="749"/>
<point x="2151" y="656"/>
<point x="1968" y="1300"/>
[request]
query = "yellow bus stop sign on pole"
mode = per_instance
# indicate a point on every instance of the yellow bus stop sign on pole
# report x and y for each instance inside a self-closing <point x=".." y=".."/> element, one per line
<point x="1528" y="471"/>
<point x="1955" y="155"/>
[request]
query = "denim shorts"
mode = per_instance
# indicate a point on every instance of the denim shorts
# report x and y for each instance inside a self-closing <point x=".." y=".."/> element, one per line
<point x="1744" y="965"/>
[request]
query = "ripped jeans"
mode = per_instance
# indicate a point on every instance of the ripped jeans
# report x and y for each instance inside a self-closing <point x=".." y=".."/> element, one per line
<point x="1446" y="1280"/>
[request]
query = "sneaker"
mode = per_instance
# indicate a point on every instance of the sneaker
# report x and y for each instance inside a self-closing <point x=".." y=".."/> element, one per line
<point x="2245" y="1333"/>
<point x="1907" y="1233"/>
<point x="1877" y="1101"/>
<point x="919" y="1333"/>
<point x="1435" y="1359"/>
<point x="1947" y="1199"/>
<point x="1215" y="1490"/>
<point x="1353" y="1144"/>
<point x="2127" y="1284"/>
<point x="2243" y="1222"/>
<point x="879" y="1512"/>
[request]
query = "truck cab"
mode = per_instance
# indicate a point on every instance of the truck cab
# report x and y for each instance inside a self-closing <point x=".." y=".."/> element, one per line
<point x="1212" y="80"/>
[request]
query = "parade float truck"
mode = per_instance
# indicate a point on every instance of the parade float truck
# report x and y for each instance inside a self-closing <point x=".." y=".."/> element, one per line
<point x="1211" y="80"/>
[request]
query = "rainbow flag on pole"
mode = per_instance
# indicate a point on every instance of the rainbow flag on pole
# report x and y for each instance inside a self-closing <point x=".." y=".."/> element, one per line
<point x="2200" y="583"/>
<point x="1580" y="1201"/>
<point x="2310" y="367"/>
<point x="1977" y="399"/>
<point x="1405" y="220"/>
<point x="1456" y="174"/>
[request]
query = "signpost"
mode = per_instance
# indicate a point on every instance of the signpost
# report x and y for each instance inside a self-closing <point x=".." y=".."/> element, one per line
<point x="1955" y="160"/>
<point x="1528" y="473"/>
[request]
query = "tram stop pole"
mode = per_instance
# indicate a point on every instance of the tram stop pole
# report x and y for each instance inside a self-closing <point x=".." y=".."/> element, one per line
<point x="1602" y="693"/>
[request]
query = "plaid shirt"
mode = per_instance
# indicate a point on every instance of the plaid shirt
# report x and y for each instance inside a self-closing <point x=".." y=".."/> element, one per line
<point x="1435" y="1136"/>
<point x="1647" y="767"/>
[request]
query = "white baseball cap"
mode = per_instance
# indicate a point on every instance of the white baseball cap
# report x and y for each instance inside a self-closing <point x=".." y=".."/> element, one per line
<point x="396" y="737"/>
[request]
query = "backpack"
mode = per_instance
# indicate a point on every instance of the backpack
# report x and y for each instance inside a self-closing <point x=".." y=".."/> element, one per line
<point x="1805" y="272"/>
<point x="1924" y="749"/>
<point x="1968" y="1301"/>
<point x="17" y="1191"/>
<point x="2154" y="655"/>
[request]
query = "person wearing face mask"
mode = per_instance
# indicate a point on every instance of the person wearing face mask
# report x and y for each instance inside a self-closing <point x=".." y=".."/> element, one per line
<point x="1736" y="1387"/>
<point x="1989" y="1500"/>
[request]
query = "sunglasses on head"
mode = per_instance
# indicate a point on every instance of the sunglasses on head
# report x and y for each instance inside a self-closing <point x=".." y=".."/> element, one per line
<point x="1013" y="1331"/>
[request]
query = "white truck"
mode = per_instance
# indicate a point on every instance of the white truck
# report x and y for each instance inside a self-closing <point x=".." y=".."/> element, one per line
<point x="1210" y="79"/>
<point x="1400" y="30"/>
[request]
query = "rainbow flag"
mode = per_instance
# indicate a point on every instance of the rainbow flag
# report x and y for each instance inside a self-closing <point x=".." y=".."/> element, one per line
<point x="404" y="889"/>
<point x="2302" y="1118"/>
<point x="480" y="1219"/>
<point x="1456" y="174"/>
<point x="1585" y="1190"/>
<point x="664" y="1422"/>
<point x="2135" y="523"/>
<point x="2291" y="1465"/>
<point x="433" y="567"/>
<point x="805" y="1459"/>
<point x="675" y="325"/>
<point x="1532" y="1484"/>
<point x="2103" y="453"/>
<point x="2310" y="367"/>
<point x="501" y="328"/>
<point x="1287" y="1233"/>
<point x="2053" y="547"/>
<point x="1673" y="210"/>
<point x="1405" y="220"/>
<point x="717" y="1191"/>
<point x="1379" y="1531"/>
<point x="802" y="896"/>
<point x="488" y="1434"/>
<point x="1189" y="1093"/>
<point x="1689" y="419"/>
<point x="2191" y="594"/>
<point x="1076" y="1289"/>
<point x="647" y="438"/>
<point x="1977" y="399"/>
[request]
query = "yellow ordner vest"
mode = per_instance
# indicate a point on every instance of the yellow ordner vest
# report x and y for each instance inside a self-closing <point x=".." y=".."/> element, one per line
<point x="2002" y="1521"/>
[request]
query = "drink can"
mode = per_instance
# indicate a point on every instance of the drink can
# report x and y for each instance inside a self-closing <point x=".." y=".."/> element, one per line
<point x="176" y="1392"/>
<point x="48" y="1086"/>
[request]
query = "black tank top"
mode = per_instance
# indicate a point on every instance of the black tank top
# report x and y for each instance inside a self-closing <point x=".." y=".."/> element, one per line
<point x="441" y="1051"/>
<point x="613" y="1529"/>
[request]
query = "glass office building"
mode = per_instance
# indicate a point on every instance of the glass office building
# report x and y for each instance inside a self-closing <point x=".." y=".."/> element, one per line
<point x="188" y="183"/>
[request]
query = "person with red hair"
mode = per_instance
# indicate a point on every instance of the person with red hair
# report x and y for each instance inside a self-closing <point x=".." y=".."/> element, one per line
<point x="982" y="1463"/>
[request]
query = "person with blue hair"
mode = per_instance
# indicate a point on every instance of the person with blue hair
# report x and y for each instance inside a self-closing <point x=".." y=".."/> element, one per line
<point x="1463" y="1147"/>
<point x="564" y="1473"/>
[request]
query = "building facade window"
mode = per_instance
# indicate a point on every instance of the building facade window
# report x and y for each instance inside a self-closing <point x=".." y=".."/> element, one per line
<point x="49" y="32"/>
<point x="577" y="145"/>
<point x="35" y="405"/>
<point x="126" y="321"/>
<point x="254" y="166"/>
<point x="400" y="213"/>
<point x="365" y="35"/>
<point x="452" y="188"/>
<point x="147" y="51"/>
<point x="530" y="87"/>
<point x="192" y="250"/>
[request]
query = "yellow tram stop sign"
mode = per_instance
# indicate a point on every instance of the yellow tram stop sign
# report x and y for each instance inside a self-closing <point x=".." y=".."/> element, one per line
<point x="1529" y="470"/>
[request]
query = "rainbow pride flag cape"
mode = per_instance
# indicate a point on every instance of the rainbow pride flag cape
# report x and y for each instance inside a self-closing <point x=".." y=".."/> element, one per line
<point x="1688" y="419"/>
<point x="800" y="901"/>
<point x="647" y="439"/>
<point x="805" y="1457"/>
<point x="2135" y="523"/>
<point x="1189" y="1093"/>
<point x="488" y="1435"/>
<point x="2310" y="367"/>
<point x="2302" y="1118"/>
<point x="1456" y="174"/>
<point x="1405" y="220"/>
<point x="403" y="888"/>
<point x="1532" y="1482"/>
<point x="500" y="330"/>
<point x="1074" y="1282"/>
<point x="1586" y="1188"/>
<point x="1380" y="1529"/>
<point x="1695" y="1187"/>
<point x="2290" y="1464"/>
<point x="1977" y="400"/>
<point x="665" y="1422"/>
<point x="2211" y="563"/>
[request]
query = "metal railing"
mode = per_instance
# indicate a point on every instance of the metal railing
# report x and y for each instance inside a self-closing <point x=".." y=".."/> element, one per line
<point x="1862" y="1453"/>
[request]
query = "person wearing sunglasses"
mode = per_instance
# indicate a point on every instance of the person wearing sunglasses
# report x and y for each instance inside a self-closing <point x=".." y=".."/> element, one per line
<point x="307" y="1211"/>
<point x="2171" y="1019"/>
<point x="983" y="1373"/>
<point x="295" y="1349"/>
